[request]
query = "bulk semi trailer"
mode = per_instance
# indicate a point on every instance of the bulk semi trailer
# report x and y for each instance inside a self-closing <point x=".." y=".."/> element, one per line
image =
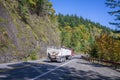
<point x="59" y="54"/>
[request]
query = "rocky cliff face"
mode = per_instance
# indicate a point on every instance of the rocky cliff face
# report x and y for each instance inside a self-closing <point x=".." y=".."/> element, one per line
<point x="20" y="40"/>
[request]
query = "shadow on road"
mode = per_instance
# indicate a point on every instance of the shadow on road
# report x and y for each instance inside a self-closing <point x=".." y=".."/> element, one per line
<point x="92" y="64"/>
<point x="24" y="71"/>
<point x="29" y="70"/>
<point x="97" y="65"/>
<point x="73" y="74"/>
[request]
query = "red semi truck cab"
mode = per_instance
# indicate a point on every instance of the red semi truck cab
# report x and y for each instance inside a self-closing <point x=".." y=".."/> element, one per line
<point x="72" y="52"/>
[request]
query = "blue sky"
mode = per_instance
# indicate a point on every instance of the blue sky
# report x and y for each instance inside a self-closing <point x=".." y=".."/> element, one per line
<point x="95" y="10"/>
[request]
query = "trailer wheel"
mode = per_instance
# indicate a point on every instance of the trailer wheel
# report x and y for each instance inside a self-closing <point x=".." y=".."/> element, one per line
<point x="64" y="59"/>
<point x="61" y="60"/>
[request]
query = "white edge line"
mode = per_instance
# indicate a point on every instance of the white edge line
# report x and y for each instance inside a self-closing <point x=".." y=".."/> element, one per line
<point x="51" y="70"/>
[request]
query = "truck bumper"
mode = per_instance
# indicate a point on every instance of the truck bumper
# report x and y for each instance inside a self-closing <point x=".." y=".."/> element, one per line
<point x="54" y="58"/>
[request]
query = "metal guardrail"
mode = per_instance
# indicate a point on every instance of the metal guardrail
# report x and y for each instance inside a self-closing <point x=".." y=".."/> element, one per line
<point x="116" y="65"/>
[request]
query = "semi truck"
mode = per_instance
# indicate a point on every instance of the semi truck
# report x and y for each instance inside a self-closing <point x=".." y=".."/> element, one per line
<point x="59" y="54"/>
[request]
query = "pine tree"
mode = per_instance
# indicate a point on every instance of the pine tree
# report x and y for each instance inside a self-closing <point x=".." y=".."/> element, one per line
<point x="115" y="5"/>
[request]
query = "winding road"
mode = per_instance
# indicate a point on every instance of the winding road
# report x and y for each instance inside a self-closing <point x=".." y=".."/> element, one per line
<point x="75" y="69"/>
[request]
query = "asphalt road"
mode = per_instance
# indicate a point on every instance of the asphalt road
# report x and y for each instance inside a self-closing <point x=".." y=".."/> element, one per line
<point x="75" y="69"/>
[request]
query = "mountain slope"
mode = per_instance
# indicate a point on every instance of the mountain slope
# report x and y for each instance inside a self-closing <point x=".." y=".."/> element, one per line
<point x="24" y="39"/>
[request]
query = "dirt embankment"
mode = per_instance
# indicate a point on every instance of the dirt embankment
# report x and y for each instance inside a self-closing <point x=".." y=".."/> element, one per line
<point x="24" y="41"/>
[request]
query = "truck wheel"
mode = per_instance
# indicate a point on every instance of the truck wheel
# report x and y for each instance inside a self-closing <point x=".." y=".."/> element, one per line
<point x="64" y="59"/>
<point x="48" y="60"/>
<point x="70" y="57"/>
<point x="61" y="60"/>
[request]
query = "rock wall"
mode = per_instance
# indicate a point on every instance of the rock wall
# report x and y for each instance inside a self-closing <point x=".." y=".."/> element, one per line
<point x="24" y="41"/>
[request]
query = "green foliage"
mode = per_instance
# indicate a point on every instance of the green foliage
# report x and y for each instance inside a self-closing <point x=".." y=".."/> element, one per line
<point x="108" y="47"/>
<point x="115" y="10"/>
<point x="66" y="36"/>
<point x="2" y="19"/>
<point x="40" y="7"/>
<point x="78" y="33"/>
<point x="94" y="53"/>
<point x="3" y="36"/>
<point x="33" y="55"/>
<point x="23" y="9"/>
